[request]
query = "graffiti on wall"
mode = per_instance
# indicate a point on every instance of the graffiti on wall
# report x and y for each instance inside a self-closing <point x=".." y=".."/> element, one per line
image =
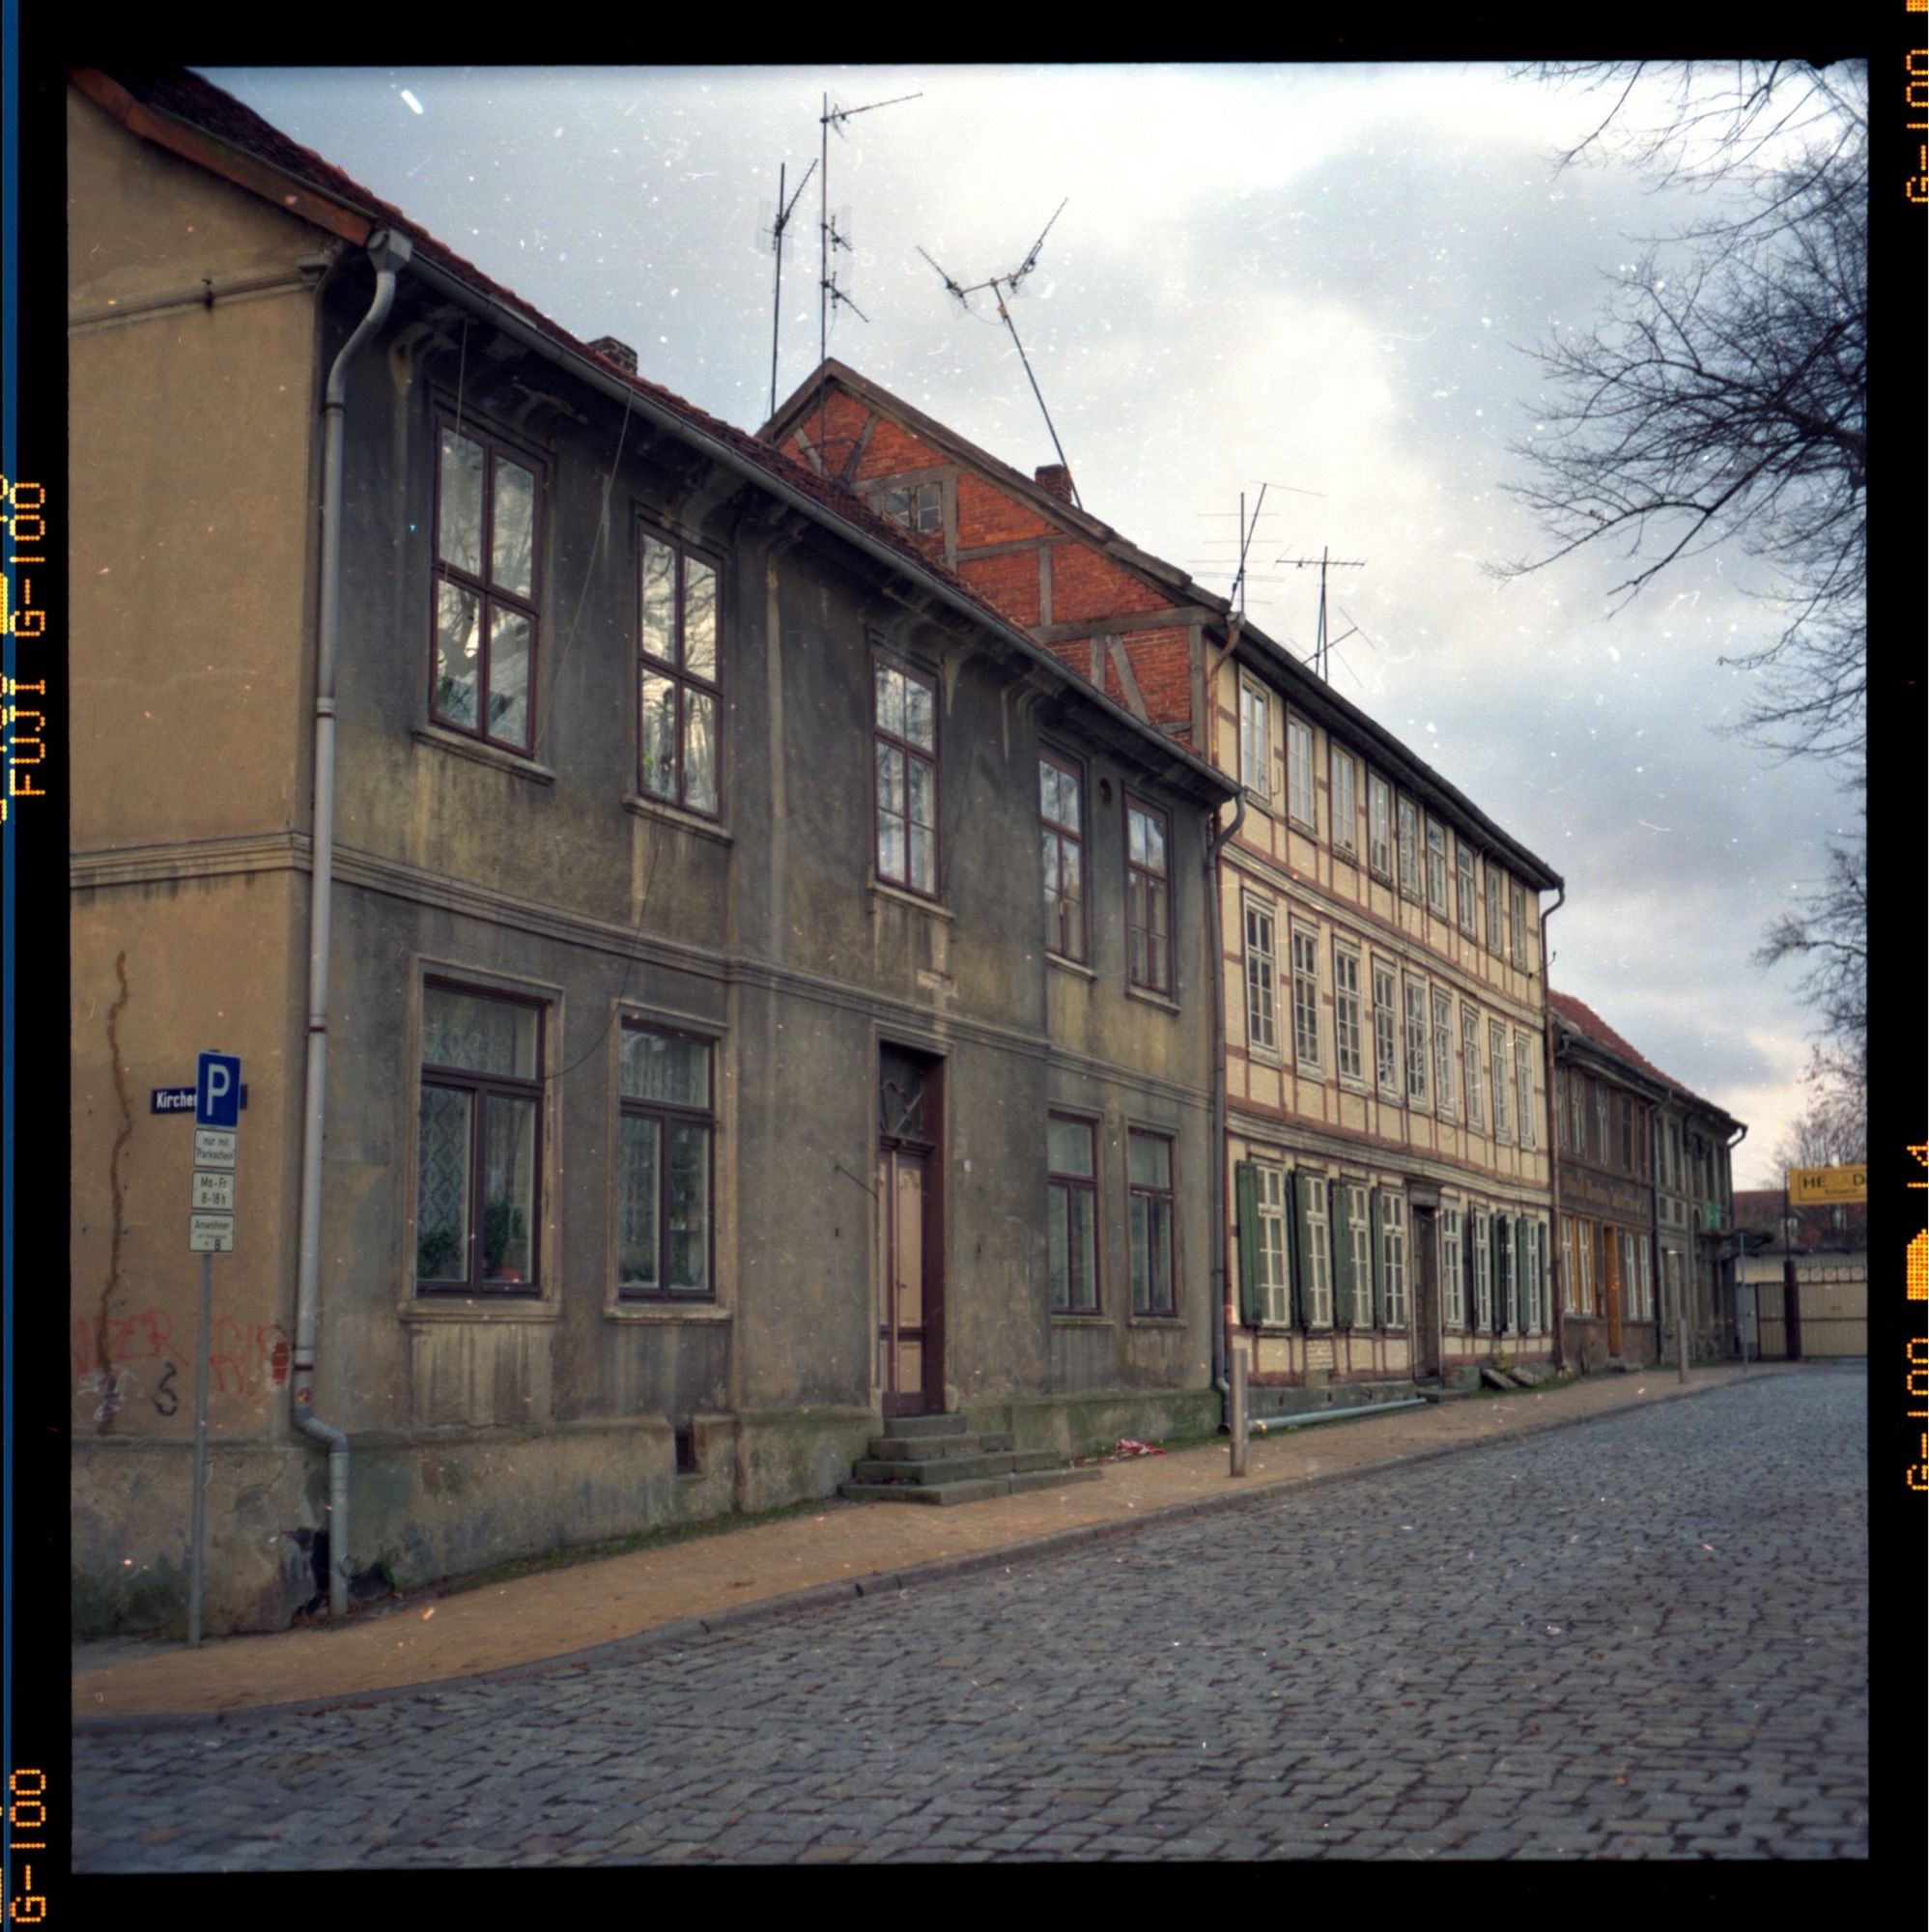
<point x="245" y="1359"/>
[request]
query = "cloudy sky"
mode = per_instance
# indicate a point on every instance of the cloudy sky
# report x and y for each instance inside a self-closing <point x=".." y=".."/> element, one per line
<point x="1319" y="278"/>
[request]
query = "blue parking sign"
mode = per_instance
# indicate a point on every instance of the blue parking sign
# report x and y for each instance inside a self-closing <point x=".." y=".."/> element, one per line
<point x="217" y="1091"/>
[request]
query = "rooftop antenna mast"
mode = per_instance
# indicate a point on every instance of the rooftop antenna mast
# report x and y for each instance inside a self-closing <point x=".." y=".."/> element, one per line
<point x="1239" y="589"/>
<point x="785" y="210"/>
<point x="1003" y="287"/>
<point x="1322" y="646"/>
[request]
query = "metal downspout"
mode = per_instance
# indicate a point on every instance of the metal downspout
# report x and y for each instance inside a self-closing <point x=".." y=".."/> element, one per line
<point x="387" y="253"/>
<point x="1222" y="1330"/>
<point x="1556" y="1267"/>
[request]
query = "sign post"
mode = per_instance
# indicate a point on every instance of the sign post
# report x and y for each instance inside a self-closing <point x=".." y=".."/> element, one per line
<point x="211" y="1231"/>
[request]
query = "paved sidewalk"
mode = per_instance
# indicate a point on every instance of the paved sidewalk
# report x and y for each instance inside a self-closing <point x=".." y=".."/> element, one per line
<point x="844" y="1549"/>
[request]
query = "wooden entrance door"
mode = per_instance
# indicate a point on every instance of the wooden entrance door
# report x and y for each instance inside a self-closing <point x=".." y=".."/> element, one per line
<point x="910" y="1299"/>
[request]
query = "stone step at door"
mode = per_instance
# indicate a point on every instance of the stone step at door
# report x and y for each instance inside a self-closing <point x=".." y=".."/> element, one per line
<point x="938" y="1458"/>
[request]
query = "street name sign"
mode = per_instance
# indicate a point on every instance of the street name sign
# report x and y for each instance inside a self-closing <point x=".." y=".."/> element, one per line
<point x="170" y="1100"/>
<point x="211" y="1233"/>
<point x="1826" y="1187"/>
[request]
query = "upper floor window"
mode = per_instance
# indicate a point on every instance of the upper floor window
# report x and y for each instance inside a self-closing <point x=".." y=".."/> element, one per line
<point x="1436" y="867"/>
<point x="486" y="590"/>
<point x="1345" y="806"/>
<point x="1347" y="1013"/>
<point x="1524" y="1082"/>
<point x="1385" y="1032"/>
<point x="1576" y="1115"/>
<point x="1306" y="998"/>
<point x="1416" y="1043"/>
<point x="1148" y="898"/>
<point x="1255" y="744"/>
<point x="1148" y="1173"/>
<point x="1494" y="927"/>
<point x="1261" y="984"/>
<point x="1300" y="771"/>
<point x="905" y="735"/>
<point x="1410" y="848"/>
<point x="919" y="506"/>
<point x="1470" y="1065"/>
<point x="478" y="1143"/>
<point x="1443" y="1050"/>
<point x="1600" y="1142"/>
<point x="1496" y="1037"/>
<point x="663" y="1133"/>
<point x="1060" y="811"/>
<point x="677" y="688"/>
<point x="1464" y="865"/>
<point x="1379" y="827"/>
<point x="1517" y="925"/>
<point x="1071" y="1215"/>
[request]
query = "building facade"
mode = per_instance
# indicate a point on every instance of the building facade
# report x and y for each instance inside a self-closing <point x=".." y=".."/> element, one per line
<point x="697" y="1077"/>
<point x="1381" y="985"/>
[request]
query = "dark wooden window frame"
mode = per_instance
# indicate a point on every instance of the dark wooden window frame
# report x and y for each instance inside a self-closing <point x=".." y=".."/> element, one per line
<point x="1159" y="986"/>
<point x="480" y="1087"/>
<point x="669" y="1113"/>
<point x="1087" y="1184"/>
<point x="1077" y="946"/>
<point x="490" y="596"/>
<point x="684" y="680"/>
<point x="1141" y="1190"/>
<point x="883" y="655"/>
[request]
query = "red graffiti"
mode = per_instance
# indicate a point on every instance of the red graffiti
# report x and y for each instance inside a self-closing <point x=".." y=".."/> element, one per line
<point x="243" y="1358"/>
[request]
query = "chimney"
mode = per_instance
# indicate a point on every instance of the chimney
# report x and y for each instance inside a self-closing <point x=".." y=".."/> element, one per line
<point x="1055" y="477"/>
<point x="612" y="351"/>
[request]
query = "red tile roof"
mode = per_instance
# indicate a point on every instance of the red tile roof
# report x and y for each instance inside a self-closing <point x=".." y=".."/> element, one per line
<point x="1597" y="1033"/>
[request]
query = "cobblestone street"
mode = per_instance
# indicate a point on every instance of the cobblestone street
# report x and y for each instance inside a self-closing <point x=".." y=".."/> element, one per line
<point x="1640" y="1636"/>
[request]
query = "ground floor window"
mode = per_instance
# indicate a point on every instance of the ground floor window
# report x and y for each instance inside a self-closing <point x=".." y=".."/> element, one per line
<point x="478" y="1145"/>
<point x="1275" y="1288"/>
<point x="1315" y="1252"/>
<point x="1071" y="1216"/>
<point x="1359" y="1252"/>
<point x="1148" y="1168"/>
<point x="1482" y="1272"/>
<point x="1393" y="1260"/>
<point x="1452" y="1281"/>
<point x="664" y="1142"/>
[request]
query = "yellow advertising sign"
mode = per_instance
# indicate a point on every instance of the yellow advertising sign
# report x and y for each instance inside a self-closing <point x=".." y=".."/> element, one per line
<point x="1826" y="1186"/>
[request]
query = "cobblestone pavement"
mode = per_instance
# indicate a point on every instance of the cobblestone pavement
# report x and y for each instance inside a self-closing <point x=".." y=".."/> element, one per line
<point x="1643" y="1636"/>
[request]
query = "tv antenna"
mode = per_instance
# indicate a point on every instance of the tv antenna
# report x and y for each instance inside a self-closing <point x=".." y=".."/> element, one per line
<point x="829" y="240"/>
<point x="785" y="210"/>
<point x="1002" y="288"/>
<point x="1322" y="646"/>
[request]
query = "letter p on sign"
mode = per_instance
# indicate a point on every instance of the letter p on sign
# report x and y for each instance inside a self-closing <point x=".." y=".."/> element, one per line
<point x="217" y="1091"/>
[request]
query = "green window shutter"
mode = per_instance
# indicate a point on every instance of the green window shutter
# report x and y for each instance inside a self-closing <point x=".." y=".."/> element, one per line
<point x="1378" y="1299"/>
<point x="1343" y="1253"/>
<point x="1302" y="1257"/>
<point x="1503" y="1276"/>
<point x="1246" y="1196"/>
<point x="1469" y="1302"/>
<point x="1524" y="1272"/>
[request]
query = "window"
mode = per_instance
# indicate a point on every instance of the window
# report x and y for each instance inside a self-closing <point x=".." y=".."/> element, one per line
<point x="1385" y="1032"/>
<point x="1300" y="771"/>
<point x="919" y="506"/>
<point x="1559" y="1107"/>
<point x="486" y="587"/>
<point x="1276" y="1302"/>
<point x="1306" y="998"/>
<point x="1359" y="1244"/>
<point x="1600" y="1143"/>
<point x="1316" y="1253"/>
<point x="1255" y="746"/>
<point x="1347" y="1013"/>
<point x="1410" y="848"/>
<point x="1452" y="1277"/>
<point x="1149" y="1171"/>
<point x="1470" y="1065"/>
<point x="1071" y="1215"/>
<point x="1345" y="806"/>
<point x="1062" y="837"/>
<point x="1523" y="1085"/>
<point x="1379" y="827"/>
<point x="1436" y="867"/>
<point x="1496" y="1036"/>
<point x="1644" y="1274"/>
<point x="1392" y="1259"/>
<point x="677" y="691"/>
<point x="1577" y="1115"/>
<point x="1494" y="925"/>
<point x="1533" y="1237"/>
<point x="1443" y="1051"/>
<point x="1262" y="1027"/>
<point x="905" y="744"/>
<point x="478" y="1143"/>
<point x="1148" y="901"/>
<point x="1482" y="1272"/>
<point x="1517" y="925"/>
<point x="1584" y="1236"/>
<point x="1569" y="1286"/>
<point x="1627" y="1136"/>
<point x="1469" y="916"/>
<point x="664" y="1137"/>
<point x="1416" y="1043"/>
